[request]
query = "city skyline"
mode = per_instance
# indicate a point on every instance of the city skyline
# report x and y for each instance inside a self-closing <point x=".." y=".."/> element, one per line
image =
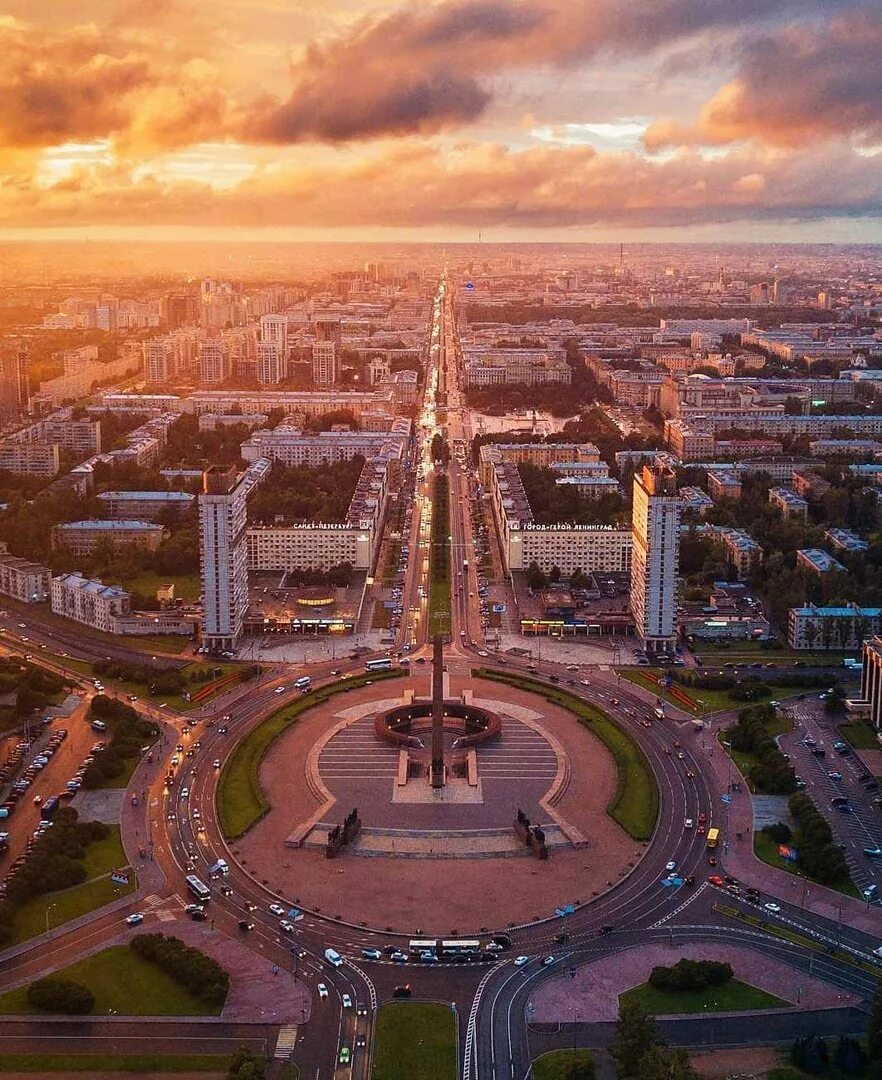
<point x="542" y="120"/>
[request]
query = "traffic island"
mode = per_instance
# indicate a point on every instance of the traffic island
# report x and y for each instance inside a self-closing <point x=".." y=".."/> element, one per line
<point x="415" y="1041"/>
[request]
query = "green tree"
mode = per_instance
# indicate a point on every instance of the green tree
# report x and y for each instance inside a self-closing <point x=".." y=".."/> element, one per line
<point x="61" y="996"/>
<point x="874" y="1028"/>
<point x="661" y="1063"/>
<point x="581" y="1070"/>
<point x="636" y="1034"/>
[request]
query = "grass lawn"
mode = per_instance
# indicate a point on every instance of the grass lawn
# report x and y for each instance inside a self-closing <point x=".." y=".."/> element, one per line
<point x="743" y="759"/>
<point x="556" y="1063"/>
<point x="240" y="798"/>
<point x="439" y="607"/>
<point x="861" y="735"/>
<point x="735" y="996"/>
<point x="122" y="982"/>
<point x="751" y="651"/>
<point x="381" y="617"/>
<point x="708" y="701"/>
<point x="101" y="857"/>
<point x="187" y="586"/>
<point x="766" y="849"/>
<point x="415" y="1041"/>
<point x="155" y="1064"/>
<point x="635" y="803"/>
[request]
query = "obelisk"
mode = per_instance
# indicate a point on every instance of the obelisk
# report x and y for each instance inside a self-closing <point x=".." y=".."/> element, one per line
<point x="436" y="772"/>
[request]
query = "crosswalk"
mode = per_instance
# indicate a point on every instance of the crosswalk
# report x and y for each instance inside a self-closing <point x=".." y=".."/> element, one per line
<point x="286" y="1042"/>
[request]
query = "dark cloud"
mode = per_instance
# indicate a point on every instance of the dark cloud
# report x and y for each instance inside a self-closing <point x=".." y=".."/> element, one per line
<point x="798" y="84"/>
<point x="426" y="67"/>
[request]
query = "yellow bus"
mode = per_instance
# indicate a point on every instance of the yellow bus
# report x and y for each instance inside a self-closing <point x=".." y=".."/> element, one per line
<point x="713" y="837"/>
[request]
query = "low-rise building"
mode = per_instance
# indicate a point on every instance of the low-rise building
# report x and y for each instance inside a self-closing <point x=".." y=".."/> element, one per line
<point x="845" y="540"/>
<point x="89" y="601"/>
<point x="856" y="449"/>
<point x="817" y="561"/>
<point x="871" y="679"/>
<point x="82" y="537"/>
<point x="821" y="628"/>
<point x="723" y="485"/>
<point x="24" y="580"/>
<point x="695" y="500"/>
<point x="146" y="505"/>
<point x="788" y="502"/>
<point x="743" y="553"/>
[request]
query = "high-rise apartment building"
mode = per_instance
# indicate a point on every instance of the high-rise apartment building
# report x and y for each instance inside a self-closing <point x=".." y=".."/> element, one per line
<point x="223" y="557"/>
<point x="324" y="363"/>
<point x="329" y="329"/>
<point x="159" y="362"/>
<point x="271" y="368"/>
<point x="14" y="390"/>
<point x="214" y="362"/>
<point x="655" y="524"/>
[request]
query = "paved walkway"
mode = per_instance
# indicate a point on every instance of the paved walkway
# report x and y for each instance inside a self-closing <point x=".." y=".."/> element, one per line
<point x="593" y="994"/>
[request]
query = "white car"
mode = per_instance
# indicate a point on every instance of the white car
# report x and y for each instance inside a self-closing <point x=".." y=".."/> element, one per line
<point x="773" y="908"/>
<point x="216" y="763"/>
<point x="185" y="793"/>
<point x="670" y="865"/>
<point x="288" y="927"/>
<point x="279" y="690"/>
<point x="519" y="961"/>
<point x="346" y="1001"/>
<point x="133" y="920"/>
<point x="878" y="951"/>
<point x="688" y="823"/>
<point x="322" y="990"/>
<point x="276" y="909"/>
<point x="547" y="961"/>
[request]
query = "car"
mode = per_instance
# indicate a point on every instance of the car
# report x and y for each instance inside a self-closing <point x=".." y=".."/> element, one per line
<point x="715" y="879"/>
<point x="670" y="865"/>
<point x="279" y="690"/>
<point x="346" y="1001"/>
<point x="835" y="775"/>
<point x="216" y="763"/>
<point x="878" y="951"/>
<point x="399" y="957"/>
<point x="345" y="1055"/>
<point x="371" y="954"/>
<point x="322" y="990"/>
<point x="133" y="920"/>
<point x="288" y="927"/>
<point x="547" y="961"/>
<point x="185" y="793"/>
<point x="245" y="926"/>
<point x="688" y="823"/>
<point x="870" y="892"/>
<point x="276" y="909"/>
<point x="190" y="908"/>
<point x="873" y="852"/>
<point x="494" y="946"/>
<point x="773" y="908"/>
<point x="519" y="961"/>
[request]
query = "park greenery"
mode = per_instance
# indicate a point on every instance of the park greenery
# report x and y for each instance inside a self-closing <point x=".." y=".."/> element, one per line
<point x="241" y="801"/>
<point x="26" y="689"/>
<point x="553" y="503"/>
<point x="819" y="856"/>
<point x="57" y="860"/>
<point x="690" y="975"/>
<point x="634" y="806"/>
<point x="576" y="1064"/>
<point x="306" y="493"/>
<point x="246" y="1066"/>
<point x="813" y="1054"/>
<point x="191" y="969"/>
<point x="768" y="770"/>
<point x="128" y="730"/>
<point x="639" y="1051"/>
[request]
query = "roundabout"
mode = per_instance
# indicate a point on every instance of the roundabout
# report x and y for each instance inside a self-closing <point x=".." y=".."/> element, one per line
<point x="442" y="860"/>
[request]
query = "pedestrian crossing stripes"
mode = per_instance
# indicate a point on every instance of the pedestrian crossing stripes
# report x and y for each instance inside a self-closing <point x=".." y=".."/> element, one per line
<point x="152" y="901"/>
<point x="286" y="1042"/>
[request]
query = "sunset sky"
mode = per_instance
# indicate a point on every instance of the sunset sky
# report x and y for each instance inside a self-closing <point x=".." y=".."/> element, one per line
<point x="531" y="119"/>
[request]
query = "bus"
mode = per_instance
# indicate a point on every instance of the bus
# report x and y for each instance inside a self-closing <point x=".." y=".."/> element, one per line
<point x="460" y="947"/>
<point x="379" y="665"/>
<point x="418" y="946"/>
<point x="199" y="889"/>
<point x="713" y="837"/>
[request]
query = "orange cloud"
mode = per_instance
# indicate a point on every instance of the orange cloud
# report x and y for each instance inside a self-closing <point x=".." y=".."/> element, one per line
<point x="410" y="185"/>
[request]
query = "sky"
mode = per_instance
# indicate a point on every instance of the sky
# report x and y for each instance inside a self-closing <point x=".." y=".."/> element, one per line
<point x="434" y="119"/>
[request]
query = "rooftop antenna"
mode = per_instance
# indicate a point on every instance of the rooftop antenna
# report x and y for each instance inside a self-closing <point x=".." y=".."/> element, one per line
<point x="621" y="254"/>
<point x="480" y="235"/>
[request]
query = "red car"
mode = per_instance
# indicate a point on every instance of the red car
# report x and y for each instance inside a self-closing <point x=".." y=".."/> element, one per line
<point x="715" y="879"/>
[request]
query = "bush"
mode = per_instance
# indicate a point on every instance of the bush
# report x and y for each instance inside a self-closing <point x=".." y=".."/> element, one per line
<point x="55" y="860"/>
<point x="128" y="731"/>
<point x="61" y="996"/>
<point x="690" y="975"/>
<point x="819" y="856"/>
<point x="771" y="772"/>
<point x="246" y="1066"/>
<point x="779" y="833"/>
<point x="197" y="973"/>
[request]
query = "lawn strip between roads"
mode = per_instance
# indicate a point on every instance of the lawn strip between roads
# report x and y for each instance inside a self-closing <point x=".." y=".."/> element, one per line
<point x="97" y="1063"/>
<point x="241" y="802"/>
<point x="415" y="1041"/>
<point x="635" y="804"/>
<point x="556" y="1064"/>
<point x="734" y="996"/>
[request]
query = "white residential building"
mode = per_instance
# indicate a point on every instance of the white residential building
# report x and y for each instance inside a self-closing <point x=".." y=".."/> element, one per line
<point x="90" y="602"/>
<point x="26" y="581"/>
<point x="655" y="557"/>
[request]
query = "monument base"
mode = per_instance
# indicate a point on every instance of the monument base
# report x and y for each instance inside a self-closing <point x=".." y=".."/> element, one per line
<point x="455" y="791"/>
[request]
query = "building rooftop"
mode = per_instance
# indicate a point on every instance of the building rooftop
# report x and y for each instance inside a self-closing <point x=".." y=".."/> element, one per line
<point x="149" y="496"/>
<point x="819" y="560"/>
<point x="111" y="526"/>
